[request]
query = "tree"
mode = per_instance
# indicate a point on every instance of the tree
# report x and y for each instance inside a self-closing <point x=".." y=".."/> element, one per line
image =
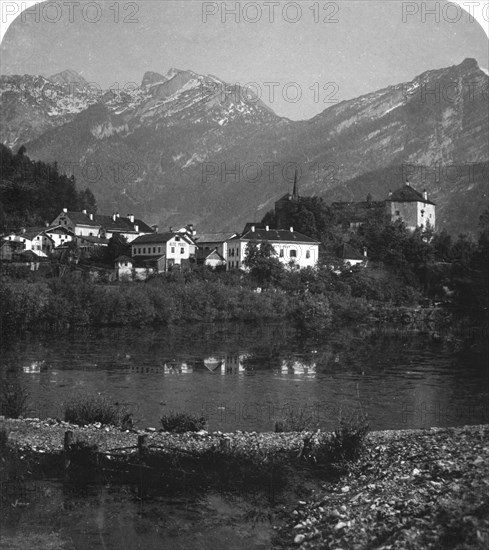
<point x="264" y="267"/>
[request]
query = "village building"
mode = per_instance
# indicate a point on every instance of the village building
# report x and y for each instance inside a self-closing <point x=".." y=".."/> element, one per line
<point x="354" y="214"/>
<point x="9" y="250"/>
<point x="210" y="258"/>
<point x="59" y="235"/>
<point x="350" y="256"/>
<point x="287" y="206"/>
<point x="214" y="241"/>
<point x="35" y="239"/>
<point x="290" y="246"/>
<point x="171" y="249"/>
<point x="86" y="224"/>
<point x="412" y="207"/>
<point x="405" y="204"/>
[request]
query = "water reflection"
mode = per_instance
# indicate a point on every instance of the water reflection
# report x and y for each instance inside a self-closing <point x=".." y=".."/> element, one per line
<point x="243" y="376"/>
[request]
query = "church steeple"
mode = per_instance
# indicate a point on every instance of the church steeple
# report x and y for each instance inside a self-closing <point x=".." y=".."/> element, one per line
<point x="295" y="191"/>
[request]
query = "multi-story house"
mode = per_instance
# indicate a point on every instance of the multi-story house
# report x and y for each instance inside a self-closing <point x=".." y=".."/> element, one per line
<point x="412" y="207"/>
<point x="214" y="241"/>
<point x="291" y="247"/>
<point x="177" y="249"/>
<point x="85" y="224"/>
<point x="35" y="239"/>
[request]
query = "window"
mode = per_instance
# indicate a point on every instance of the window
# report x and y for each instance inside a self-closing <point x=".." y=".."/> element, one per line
<point x="293" y="253"/>
<point x="422" y="213"/>
<point x="308" y="253"/>
<point x="177" y="238"/>
<point x="397" y="213"/>
<point x="144" y="250"/>
<point x="154" y="249"/>
<point x="281" y="254"/>
<point x="182" y="250"/>
<point x="159" y="250"/>
<point x="173" y="250"/>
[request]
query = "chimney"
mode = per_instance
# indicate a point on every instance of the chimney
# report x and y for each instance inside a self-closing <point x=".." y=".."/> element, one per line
<point x="267" y="228"/>
<point x="390" y="193"/>
<point x="114" y="216"/>
<point x="252" y="228"/>
<point x="84" y="212"/>
<point x="407" y="183"/>
<point x="90" y="216"/>
<point x="23" y="230"/>
<point x="171" y="229"/>
<point x="365" y="251"/>
<point x="65" y="210"/>
<point x="136" y="228"/>
<point x="117" y="214"/>
<point x="131" y="217"/>
<point x="425" y="195"/>
<point x="154" y="228"/>
<point x="291" y="229"/>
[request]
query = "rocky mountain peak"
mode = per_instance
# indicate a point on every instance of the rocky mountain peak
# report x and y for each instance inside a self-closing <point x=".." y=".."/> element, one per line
<point x="150" y="78"/>
<point x="68" y="76"/>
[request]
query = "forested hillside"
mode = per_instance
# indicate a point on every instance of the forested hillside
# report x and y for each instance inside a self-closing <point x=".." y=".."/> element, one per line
<point x="34" y="192"/>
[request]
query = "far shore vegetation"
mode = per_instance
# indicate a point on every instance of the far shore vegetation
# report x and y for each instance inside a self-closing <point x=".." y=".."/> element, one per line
<point x="405" y="270"/>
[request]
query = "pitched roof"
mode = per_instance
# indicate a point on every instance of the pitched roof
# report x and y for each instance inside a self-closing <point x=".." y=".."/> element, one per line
<point x="348" y="252"/>
<point x="94" y="240"/>
<point x="123" y="258"/>
<point x="213" y="237"/>
<point x="206" y="254"/>
<point x="408" y="194"/>
<point x="59" y="229"/>
<point x="108" y="222"/>
<point x="155" y="238"/>
<point x="31" y="232"/>
<point x="280" y="235"/>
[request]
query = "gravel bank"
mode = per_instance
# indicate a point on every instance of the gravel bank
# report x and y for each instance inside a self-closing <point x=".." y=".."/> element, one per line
<point x="412" y="489"/>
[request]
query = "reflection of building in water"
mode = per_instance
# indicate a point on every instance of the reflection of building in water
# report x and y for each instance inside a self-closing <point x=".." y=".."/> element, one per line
<point x="233" y="364"/>
<point x="170" y="367"/>
<point x="35" y="367"/>
<point x="296" y="367"/>
<point x="212" y="363"/>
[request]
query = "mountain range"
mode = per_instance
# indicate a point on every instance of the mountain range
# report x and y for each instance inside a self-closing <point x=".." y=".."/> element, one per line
<point x="188" y="148"/>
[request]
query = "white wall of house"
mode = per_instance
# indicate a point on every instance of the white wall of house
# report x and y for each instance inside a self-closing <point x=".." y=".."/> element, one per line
<point x="413" y="214"/>
<point x="39" y="243"/>
<point x="82" y="230"/>
<point x="59" y="238"/>
<point x="302" y="254"/>
<point x="177" y="249"/>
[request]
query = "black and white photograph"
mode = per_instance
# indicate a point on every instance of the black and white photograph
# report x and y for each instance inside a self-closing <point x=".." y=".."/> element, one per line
<point x="244" y="275"/>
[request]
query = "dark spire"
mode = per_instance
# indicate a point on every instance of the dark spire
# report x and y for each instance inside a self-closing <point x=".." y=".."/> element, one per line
<point x="295" y="191"/>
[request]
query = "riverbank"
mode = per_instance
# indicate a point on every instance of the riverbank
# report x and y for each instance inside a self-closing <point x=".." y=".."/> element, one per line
<point x="409" y="489"/>
<point x="413" y="489"/>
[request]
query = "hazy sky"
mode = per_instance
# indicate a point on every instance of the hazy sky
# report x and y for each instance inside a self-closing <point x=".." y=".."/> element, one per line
<point x="368" y="47"/>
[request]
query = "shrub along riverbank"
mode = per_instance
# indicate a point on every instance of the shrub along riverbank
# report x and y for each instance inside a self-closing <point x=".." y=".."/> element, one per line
<point x="313" y="299"/>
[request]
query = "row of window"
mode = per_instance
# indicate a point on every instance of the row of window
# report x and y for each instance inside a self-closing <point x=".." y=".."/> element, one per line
<point x="155" y="250"/>
<point x="292" y="253"/>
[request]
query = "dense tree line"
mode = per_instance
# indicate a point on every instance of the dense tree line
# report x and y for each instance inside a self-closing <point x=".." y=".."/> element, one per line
<point x="34" y="192"/>
<point x="433" y="264"/>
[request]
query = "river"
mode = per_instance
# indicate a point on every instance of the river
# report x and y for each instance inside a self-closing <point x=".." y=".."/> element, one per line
<point x="243" y="377"/>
